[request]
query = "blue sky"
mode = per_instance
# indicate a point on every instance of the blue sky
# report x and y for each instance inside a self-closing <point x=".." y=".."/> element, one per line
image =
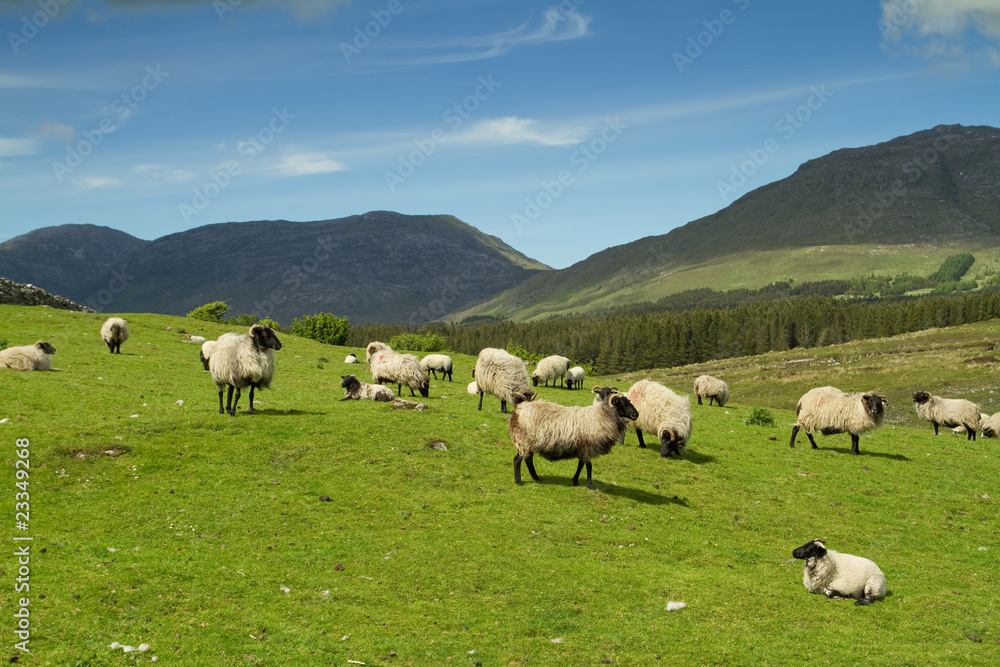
<point x="561" y="127"/>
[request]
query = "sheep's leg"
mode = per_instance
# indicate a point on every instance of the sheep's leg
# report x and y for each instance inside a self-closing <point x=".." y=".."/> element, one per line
<point x="638" y="432"/>
<point x="221" y="410"/>
<point x="699" y="400"/>
<point x="530" y="462"/>
<point x="795" y="432"/>
<point x="971" y="433"/>
<point x="935" y="427"/>
<point x="863" y="601"/>
<point x="812" y="440"/>
<point x="229" y="400"/>
<point x="252" y="387"/>
<point x="590" y="469"/>
<point x="236" y="400"/>
<point x="503" y="405"/>
<point x="480" y="400"/>
<point x="517" y="469"/>
<point x="854" y="445"/>
<point x="449" y="376"/>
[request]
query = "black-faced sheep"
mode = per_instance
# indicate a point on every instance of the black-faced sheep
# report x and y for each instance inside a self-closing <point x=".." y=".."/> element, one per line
<point x="437" y="363"/>
<point x="948" y="412"/>
<point x="991" y="427"/>
<point x="575" y="377"/>
<point x="501" y="374"/>
<point x="401" y="369"/>
<point x="559" y="432"/>
<point x="838" y="575"/>
<point x="205" y="352"/>
<point x="114" y="332"/>
<point x="714" y="389"/>
<point x="241" y="361"/>
<point x="550" y="368"/>
<point x="829" y="411"/>
<point x="356" y="390"/>
<point x="350" y="359"/>
<point x="662" y="412"/>
<point x="28" y="357"/>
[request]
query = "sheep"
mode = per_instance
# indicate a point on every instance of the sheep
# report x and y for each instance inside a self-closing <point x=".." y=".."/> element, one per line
<point x="663" y="412"/>
<point x="558" y="432"/>
<point x="948" y="412"/>
<point x="437" y="362"/>
<point x="350" y="359"/>
<point x="961" y="430"/>
<point x="188" y="338"/>
<point x="355" y="389"/>
<point x="837" y="575"/>
<point x="829" y="410"/>
<point x="390" y="366"/>
<point x="991" y="428"/>
<point x="575" y="377"/>
<point x="374" y="347"/>
<point x="28" y="357"/>
<point x="550" y="368"/>
<point x="114" y="332"/>
<point x="501" y="374"/>
<point x="601" y="393"/>
<point x="242" y="361"/>
<point x="205" y="353"/>
<point x="473" y="388"/>
<point x="714" y="389"/>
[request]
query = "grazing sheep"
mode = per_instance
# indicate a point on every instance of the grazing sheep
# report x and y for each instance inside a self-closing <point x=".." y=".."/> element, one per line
<point x="374" y="347"/>
<point x="114" y="332"/>
<point x="350" y="359"/>
<point x="575" y="377"/>
<point x="390" y="366"/>
<point x="558" y="432"/>
<point x="948" y="412"/>
<point x="473" y="388"/>
<point x="829" y="410"/>
<point x="663" y="412"/>
<point x="28" y="357"/>
<point x="243" y="361"/>
<point x="205" y="353"/>
<point x="714" y="389"/>
<point x="355" y="389"/>
<point x="991" y="427"/>
<point x="437" y="363"/>
<point x="501" y="374"/>
<point x="550" y="368"/>
<point x="837" y="575"/>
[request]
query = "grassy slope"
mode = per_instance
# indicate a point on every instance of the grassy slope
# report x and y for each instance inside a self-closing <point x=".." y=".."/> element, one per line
<point x="186" y="540"/>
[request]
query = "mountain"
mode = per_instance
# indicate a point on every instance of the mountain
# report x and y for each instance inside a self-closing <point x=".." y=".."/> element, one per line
<point x="899" y="206"/>
<point x="380" y="266"/>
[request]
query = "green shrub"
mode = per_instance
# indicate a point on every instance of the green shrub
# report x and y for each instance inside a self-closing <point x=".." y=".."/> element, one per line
<point x="418" y="342"/>
<point x="523" y="354"/>
<point x="759" y="417"/>
<point x="324" y="327"/>
<point x="267" y="321"/>
<point x="243" y="320"/>
<point x="210" y="312"/>
<point x="953" y="268"/>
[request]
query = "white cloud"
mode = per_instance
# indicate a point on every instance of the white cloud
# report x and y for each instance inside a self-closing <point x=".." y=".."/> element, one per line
<point x="161" y="175"/>
<point x="514" y="130"/>
<point x="17" y="146"/>
<point x="92" y="182"/>
<point x="48" y="128"/>
<point x="955" y="29"/>
<point x="305" y="164"/>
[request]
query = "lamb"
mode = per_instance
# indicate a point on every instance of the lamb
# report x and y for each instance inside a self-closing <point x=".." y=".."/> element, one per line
<point x="558" y="432"/>
<point x="663" y="412"/>
<point x="983" y="418"/>
<point x="501" y="374"/>
<point x="350" y="359"/>
<point x="829" y="410"/>
<point x="390" y="366"/>
<point x="550" y="368"/>
<point x="205" y="353"/>
<point x="948" y="412"/>
<point x="355" y="389"/>
<point x="242" y="361"/>
<point x="435" y="363"/>
<point x="473" y="388"/>
<point x="714" y="389"/>
<point x="114" y="332"/>
<point x="991" y="428"/>
<point x="575" y="377"/>
<point x="28" y="357"/>
<point x="200" y="340"/>
<point x="374" y="347"/>
<point x="837" y="575"/>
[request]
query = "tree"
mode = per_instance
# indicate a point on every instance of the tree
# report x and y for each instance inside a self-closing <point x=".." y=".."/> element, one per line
<point x="323" y="327"/>
<point x="210" y="312"/>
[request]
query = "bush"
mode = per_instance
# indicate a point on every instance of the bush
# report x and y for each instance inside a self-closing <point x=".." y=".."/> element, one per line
<point x="759" y="417"/>
<point x="267" y="321"/>
<point x="210" y="312"/>
<point x="323" y="327"/>
<point x="242" y="320"/>
<point x="523" y="354"/>
<point x="418" y="342"/>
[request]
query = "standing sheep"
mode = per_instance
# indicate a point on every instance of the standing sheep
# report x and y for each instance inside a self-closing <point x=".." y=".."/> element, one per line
<point x="558" y="432"/>
<point x="663" y="412"/>
<point x="243" y="361"/>
<point x="575" y="377"/>
<point x="114" y="332"/>
<point x="714" y="389"/>
<point x="205" y="353"/>
<point x="550" y="368"/>
<point x="948" y="412"/>
<point x="390" y="366"/>
<point x="437" y="363"/>
<point x="355" y="389"/>
<point x="28" y="357"/>
<point x="829" y="411"/>
<point x="501" y="374"/>
<point x="837" y="575"/>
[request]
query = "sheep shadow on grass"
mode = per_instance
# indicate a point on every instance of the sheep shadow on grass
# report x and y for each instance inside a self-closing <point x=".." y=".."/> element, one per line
<point x="847" y="450"/>
<point x="636" y="495"/>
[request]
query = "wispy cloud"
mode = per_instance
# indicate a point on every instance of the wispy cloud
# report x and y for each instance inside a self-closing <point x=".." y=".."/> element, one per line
<point x="965" y="30"/>
<point x="301" y="8"/>
<point x="305" y="164"/>
<point x="161" y="175"/>
<point x="17" y="146"/>
<point x="93" y="182"/>
<point x="50" y="129"/>
<point x="514" y="130"/>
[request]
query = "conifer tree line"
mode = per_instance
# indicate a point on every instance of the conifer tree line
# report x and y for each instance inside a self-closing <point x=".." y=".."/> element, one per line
<point x="628" y="340"/>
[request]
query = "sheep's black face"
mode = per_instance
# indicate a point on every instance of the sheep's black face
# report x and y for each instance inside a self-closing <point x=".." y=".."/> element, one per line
<point x="45" y="347"/>
<point x="425" y="387"/>
<point x="921" y="397"/>
<point x="624" y="406"/>
<point x="874" y="403"/>
<point x="349" y="382"/>
<point x="264" y="337"/>
<point x="534" y="380"/>
<point x="813" y="549"/>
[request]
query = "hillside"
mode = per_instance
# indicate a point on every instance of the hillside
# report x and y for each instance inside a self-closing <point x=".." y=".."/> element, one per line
<point x="380" y="266"/>
<point x="903" y="205"/>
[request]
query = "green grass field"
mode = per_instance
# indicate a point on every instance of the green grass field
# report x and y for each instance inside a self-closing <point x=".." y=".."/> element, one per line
<point x="156" y="520"/>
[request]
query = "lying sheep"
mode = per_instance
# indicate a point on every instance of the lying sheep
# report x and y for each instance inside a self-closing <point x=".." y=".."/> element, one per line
<point x="350" y="359"/>
<point x="114" y="332"/>
<point x="501" y="374"/>
<point x="663" y="412"/>
<point x="205" y="353"/>
<point x="243" y="361"/>
<point x="991" y="427"/>
<point x="550" y="368"/>
<point x="356" y="390"/>
<point x="390" y="366"/>
<point x="188" y="338"/>
<point x="837" y="575"/>
<point x="28" y="357"/>
<point x="575" y="377"/>
<point x="559" y="432"/>
<point x="829" y="411"/>
<point x="961" y="430"/>
<point x="436" y="363"/>
<point x="714" y="389"/>
<point x="948" y="412"/>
